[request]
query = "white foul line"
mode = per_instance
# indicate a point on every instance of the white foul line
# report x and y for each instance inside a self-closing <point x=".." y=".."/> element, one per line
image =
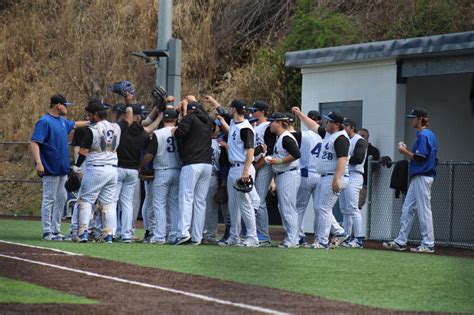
<point x="39" y="247"/>
<point x="146" y="285"/>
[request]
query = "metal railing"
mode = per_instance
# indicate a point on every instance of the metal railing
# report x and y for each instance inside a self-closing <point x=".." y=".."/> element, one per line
<point x="452" y="204"/>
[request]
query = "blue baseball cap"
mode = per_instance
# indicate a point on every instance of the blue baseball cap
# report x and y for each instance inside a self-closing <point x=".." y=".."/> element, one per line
<point x="278" y="116"/>
<point x="334" y="117"/>
<point x="418" y="112"/>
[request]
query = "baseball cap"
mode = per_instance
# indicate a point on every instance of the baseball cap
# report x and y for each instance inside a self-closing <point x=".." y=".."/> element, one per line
<point x="138" y="109"/>
<point x="238" y="104"/>
<point x="259" y="105"/>
<point x="291" y="117"/>
<point x="59" y="99"/>
<point x="193" y="106"/>
<point x="170" y="114"/>
<point x="334" y="117"/>
<point x="119" y="108"/>
<point x="418" y="112"/>
<point x="96" y="106"/>
<point x="278" y="116"/>
<point x="314" y="115"/>
<point x="349" y="122"/>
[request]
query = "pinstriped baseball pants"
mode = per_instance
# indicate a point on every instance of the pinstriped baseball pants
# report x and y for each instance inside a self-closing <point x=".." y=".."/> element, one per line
<point x="287" y="185"/>
<point x="165" y="202"/>
<point x="53" y="202"/>
<point x="349" y="202"/>
<point x="127" y="180"/>
<point x="262" y="185"/>
<point x="148" y="215"/>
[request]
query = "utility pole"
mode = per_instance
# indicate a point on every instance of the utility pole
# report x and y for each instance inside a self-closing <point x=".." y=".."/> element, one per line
<point x="165" y="26"/>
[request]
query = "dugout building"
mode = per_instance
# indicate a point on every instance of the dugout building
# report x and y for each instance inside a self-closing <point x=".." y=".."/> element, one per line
<point x="377" y="84"/>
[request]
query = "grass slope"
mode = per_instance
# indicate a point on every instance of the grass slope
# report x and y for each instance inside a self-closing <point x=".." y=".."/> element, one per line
<point x="13" y="291"/>
<point x="399" y="281"/>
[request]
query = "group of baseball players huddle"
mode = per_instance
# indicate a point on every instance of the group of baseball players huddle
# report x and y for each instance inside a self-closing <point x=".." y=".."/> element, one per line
<point x="195" y="166"/>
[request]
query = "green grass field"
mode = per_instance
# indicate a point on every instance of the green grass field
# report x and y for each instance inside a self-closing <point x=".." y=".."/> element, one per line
<point x="13" y="291"/>
<point x="400" y="281"/>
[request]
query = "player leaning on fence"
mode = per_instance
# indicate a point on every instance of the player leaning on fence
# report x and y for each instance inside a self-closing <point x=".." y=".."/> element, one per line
<point x="51" y="154"/>
<point x="422" y="170"/>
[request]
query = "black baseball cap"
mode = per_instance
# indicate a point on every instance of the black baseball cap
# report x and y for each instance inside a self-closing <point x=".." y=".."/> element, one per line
<point x="259" y="106"/>
<point x="193" y="106"/>
<point x="349" y="122"/>
<point x="170" y="114"/>
<point x="119" y="108"/>
<point x="96" y="106"/>
<point x="418" y="112"/>
<point x="239" y="104"/>
<point x="291" y="117"/>
<point x="59" y="99"/>
<point x="252" y="119"/>
<point x="334" y="117"/>
<point x="278" y="116"/>
<point x="314" y="115"/>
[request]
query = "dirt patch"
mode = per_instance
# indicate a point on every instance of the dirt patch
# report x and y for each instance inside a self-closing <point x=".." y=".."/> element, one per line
<point x="127" y="298"/>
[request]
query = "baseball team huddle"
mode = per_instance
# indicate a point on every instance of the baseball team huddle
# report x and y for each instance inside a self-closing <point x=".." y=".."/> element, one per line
<point x="194" y="166"/>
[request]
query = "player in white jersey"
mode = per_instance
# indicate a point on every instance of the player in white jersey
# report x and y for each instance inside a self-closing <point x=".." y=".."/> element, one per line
<point x="332" y="165"/>
<point x="98" y="151"/>
<point x="264" y="175"/>
<point x="167" y="166"/>
<point x="349" y="199"/>
<point x="285" y="165"/>
<point x="241" y="142"/>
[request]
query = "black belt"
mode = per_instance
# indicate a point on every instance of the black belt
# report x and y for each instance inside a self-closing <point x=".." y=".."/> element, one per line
<point x="291" y="169"/>
<point x="215" y="174"/>
<point x="236" y="165"/>
<point x="104" y="165"/>
<point x="330" y="174"/>
<point x="361" y="173"/>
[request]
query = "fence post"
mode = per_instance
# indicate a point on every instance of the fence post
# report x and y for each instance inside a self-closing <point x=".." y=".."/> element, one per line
<point x="451" y="202"/>
<point x="369" y="195"/>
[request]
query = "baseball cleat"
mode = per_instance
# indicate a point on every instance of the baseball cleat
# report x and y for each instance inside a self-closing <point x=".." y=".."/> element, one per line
<point x="265" y="243"/>
<point x="182" y="240"/>
<point x="157" y="241"/>
<point x="248" y="244"/>
<point x="352" y="244"/>
<point x="339" y="239"/>
<point x="193" y="243"/>
<point x="393" y="246"/>
<point x="84" y="237"/>
<point x="318" y="245"/>
<point x="227" y="243"/>
<point x="209" y="241"/>
<point x="303" y="241"/>
<point x="288" y="246"/>
<point x="108" y="239"/>
<point x="71" y="237"/>
<point x="423" y="249"/>
<point x="126" y="240"/>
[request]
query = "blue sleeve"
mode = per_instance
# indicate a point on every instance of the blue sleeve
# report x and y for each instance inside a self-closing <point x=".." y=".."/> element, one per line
<point x="40" y="133"/>
<point x="70" y="125"/>
<point x="421" y="145"/>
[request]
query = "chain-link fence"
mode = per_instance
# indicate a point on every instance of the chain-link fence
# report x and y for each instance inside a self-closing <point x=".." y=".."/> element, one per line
<point x="452" y="204"/>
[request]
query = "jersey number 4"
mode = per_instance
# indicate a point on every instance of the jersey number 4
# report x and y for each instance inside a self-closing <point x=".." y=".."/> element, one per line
<point x="316" y="150"/>
<point x="171" y="146"/>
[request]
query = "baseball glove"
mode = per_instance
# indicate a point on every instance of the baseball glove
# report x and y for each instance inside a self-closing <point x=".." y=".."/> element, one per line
<point x="73" y="182"/>
<point x="386" y="161"/>
<point x="242" y="186"/>
<point x="146" y="174"/>
<point x="159" y="97"/>
<point x="221" y="196"/>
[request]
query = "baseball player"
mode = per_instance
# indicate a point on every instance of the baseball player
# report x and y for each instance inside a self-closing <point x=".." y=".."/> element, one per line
<point x="264" y="171"/>
<point x="98" y="151"/>
<point x="422" y="171"/>
<point x="349" y="198"/>
<point x="212" y="209"/>
<point x="49" y="146"/>
<point x="193" y="135"/>
<point x="166" y="163"/>
<point x="332" y="165"/>
<point x="133" y="140"/>
<point x="241" y="143"/>
<point x="285" y="165"/>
